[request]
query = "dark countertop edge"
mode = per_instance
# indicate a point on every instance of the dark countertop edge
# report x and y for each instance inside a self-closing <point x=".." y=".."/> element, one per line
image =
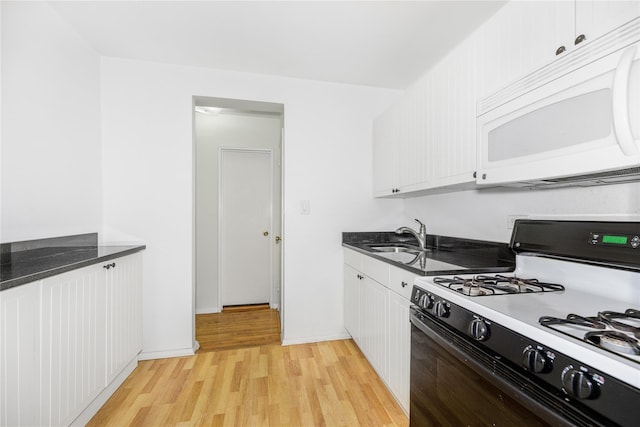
<point x="475" y="270"/>
<point x="12" y="283"/>
<point x="88" y="240"/>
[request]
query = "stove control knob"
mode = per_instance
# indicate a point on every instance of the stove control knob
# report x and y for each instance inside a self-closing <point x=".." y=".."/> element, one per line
<point x="536" y="361"/>
<point x="479" y="330"/>
<point x="426" y="301"/>
<point x="441" y="309"/>
<point x="578" y="383"/>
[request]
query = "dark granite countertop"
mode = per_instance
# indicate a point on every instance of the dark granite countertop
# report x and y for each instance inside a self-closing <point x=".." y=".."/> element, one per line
<point x="33" y="260"/>
<point x="445" y="256"/>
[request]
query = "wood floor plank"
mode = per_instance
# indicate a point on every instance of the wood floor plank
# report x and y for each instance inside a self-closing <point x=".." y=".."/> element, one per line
<point x="318" y="384"/>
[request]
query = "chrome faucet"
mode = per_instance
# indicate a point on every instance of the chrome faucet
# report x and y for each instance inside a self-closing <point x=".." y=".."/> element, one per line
<point x="421" y="235"/>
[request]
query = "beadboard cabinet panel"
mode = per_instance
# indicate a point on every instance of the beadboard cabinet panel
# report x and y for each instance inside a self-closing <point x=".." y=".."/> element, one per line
<point x="523" y="36"/>
<point x="63" y="341"/>
<point x="73" y="343"/>
<point x="374" y="325"/>
<point x="376" y="314"/>
<point x="594" y="19"/>
<point x="124" y="313"/>
<point x="383" y="154"/>
<point x="454" y="139"/>
<point x="399" y="343"/>
<point x="526" y="36"/>
<point x="429" y="134"/>
<point x="19" y="355"/>
<point x="352" y="279"/>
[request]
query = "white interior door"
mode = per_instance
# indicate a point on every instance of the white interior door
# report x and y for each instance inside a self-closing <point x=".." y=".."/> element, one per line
<point x="245" y="226"/>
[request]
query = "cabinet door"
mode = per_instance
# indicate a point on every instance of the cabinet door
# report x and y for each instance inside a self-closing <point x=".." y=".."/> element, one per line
<point x="524" y="36"/>
<point x="352" y="280"/>
<point x="374" y="325"/>
<point x="454" y="126"/>
<point x="596" y="18"/>
<point x="399" y="349"/>
<point x="19" y="355"/>
<point x="124" y="313"/>
<point x="383" y="154"/>
<point x="410" y="149"/>
<point x="73" y="343"/>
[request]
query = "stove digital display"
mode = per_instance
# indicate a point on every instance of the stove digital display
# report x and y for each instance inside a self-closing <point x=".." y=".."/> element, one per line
<point x="616" y="240"/>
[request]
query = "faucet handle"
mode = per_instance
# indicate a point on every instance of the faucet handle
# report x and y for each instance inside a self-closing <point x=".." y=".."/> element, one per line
<point x="419" y="222"/>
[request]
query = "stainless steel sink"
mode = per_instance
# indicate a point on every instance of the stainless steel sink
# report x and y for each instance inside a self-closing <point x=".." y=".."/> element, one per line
<point x="396" y="248"/>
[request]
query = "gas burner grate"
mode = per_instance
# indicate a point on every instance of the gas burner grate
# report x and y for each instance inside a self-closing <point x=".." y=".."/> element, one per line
<point x="616" y="342"/>
<point x="615" y="332"/>
<point x="483" y="285"/>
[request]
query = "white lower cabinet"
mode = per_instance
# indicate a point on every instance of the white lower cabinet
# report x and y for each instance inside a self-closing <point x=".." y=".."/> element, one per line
<point x="374" y="325"/>
<point x="73" y="346"/>
<point x="352" y="279"/>
<point x="19" y="355"/>
<point x="376" y="315"/>
<point x="124" y="314"/>
<point x="65" y="338"/>
<point x="399" y="348"/>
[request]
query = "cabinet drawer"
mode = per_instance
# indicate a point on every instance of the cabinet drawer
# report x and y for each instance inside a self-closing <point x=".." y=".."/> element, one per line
<point x="402" y="282"/>
<point x="353" y="258"/>
<point x="377" y="270"/>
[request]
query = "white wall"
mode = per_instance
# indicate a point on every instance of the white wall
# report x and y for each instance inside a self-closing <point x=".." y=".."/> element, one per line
<point x="50" y="162"/>
<point x="148" y="187"/>
<point x="483" y="214"/>
<point x="228" y="129"/>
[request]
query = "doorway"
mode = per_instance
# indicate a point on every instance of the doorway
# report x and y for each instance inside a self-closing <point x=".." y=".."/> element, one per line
<point x="244" y="129"/>
<point x="245" y="226"/>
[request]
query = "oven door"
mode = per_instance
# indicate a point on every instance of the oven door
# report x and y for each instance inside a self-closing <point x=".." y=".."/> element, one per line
<point x="454" y="382"/>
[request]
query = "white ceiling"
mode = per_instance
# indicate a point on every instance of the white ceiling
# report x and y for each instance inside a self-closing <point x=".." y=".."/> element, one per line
<point x="374" y="43"/>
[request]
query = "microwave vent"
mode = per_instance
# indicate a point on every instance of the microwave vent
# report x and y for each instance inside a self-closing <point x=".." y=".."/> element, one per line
<point x="600" y="178"/>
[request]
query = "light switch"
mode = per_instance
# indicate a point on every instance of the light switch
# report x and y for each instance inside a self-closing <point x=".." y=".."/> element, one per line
<point x="305" y="208"/>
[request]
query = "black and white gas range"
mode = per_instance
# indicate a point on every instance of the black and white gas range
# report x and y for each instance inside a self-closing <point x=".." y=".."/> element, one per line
<point x="556" y="342"/>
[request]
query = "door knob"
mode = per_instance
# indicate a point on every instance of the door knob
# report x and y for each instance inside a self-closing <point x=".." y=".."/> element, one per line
<point x="265" y="233"/>
<point x="278" y="238"/>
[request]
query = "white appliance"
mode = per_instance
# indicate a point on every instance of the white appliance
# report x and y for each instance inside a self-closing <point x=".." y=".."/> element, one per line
<point x="575" y="121"/>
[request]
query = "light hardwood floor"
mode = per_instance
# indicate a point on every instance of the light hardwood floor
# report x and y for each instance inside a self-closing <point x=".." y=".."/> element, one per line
<point x="238" y="327"/>
<point x="319" y="384"/>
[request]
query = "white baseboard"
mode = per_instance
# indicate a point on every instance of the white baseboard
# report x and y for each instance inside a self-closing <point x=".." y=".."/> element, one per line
<point x="207" y="310"/>
<point x="307" y="340"/>
<point x="181" y="352"/>
<point x="86" y="415"/>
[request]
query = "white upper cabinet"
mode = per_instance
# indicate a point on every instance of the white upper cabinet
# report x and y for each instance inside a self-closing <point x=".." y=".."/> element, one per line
<point x="427" y="139"/>
<point x="596" y="18"/>
<point x="384" y="180"/>
<point x="526" y="35"/>
<point x="522" y="36"/>
<point x="452" y="116"/>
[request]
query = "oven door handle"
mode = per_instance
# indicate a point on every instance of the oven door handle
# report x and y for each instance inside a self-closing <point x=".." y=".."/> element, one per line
<point x="504" y="385"/>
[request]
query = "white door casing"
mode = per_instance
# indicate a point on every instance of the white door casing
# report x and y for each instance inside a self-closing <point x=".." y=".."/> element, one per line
<point x="245" y="216"/>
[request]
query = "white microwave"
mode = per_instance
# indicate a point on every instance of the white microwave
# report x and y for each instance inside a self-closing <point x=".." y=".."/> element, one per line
<point x="581" y="128"/>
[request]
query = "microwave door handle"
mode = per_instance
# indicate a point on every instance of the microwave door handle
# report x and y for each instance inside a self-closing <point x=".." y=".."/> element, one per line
<point x="620" y="97"/>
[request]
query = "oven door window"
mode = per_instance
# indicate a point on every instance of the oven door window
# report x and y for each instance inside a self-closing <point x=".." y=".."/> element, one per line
<point x="447" y="391"/>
